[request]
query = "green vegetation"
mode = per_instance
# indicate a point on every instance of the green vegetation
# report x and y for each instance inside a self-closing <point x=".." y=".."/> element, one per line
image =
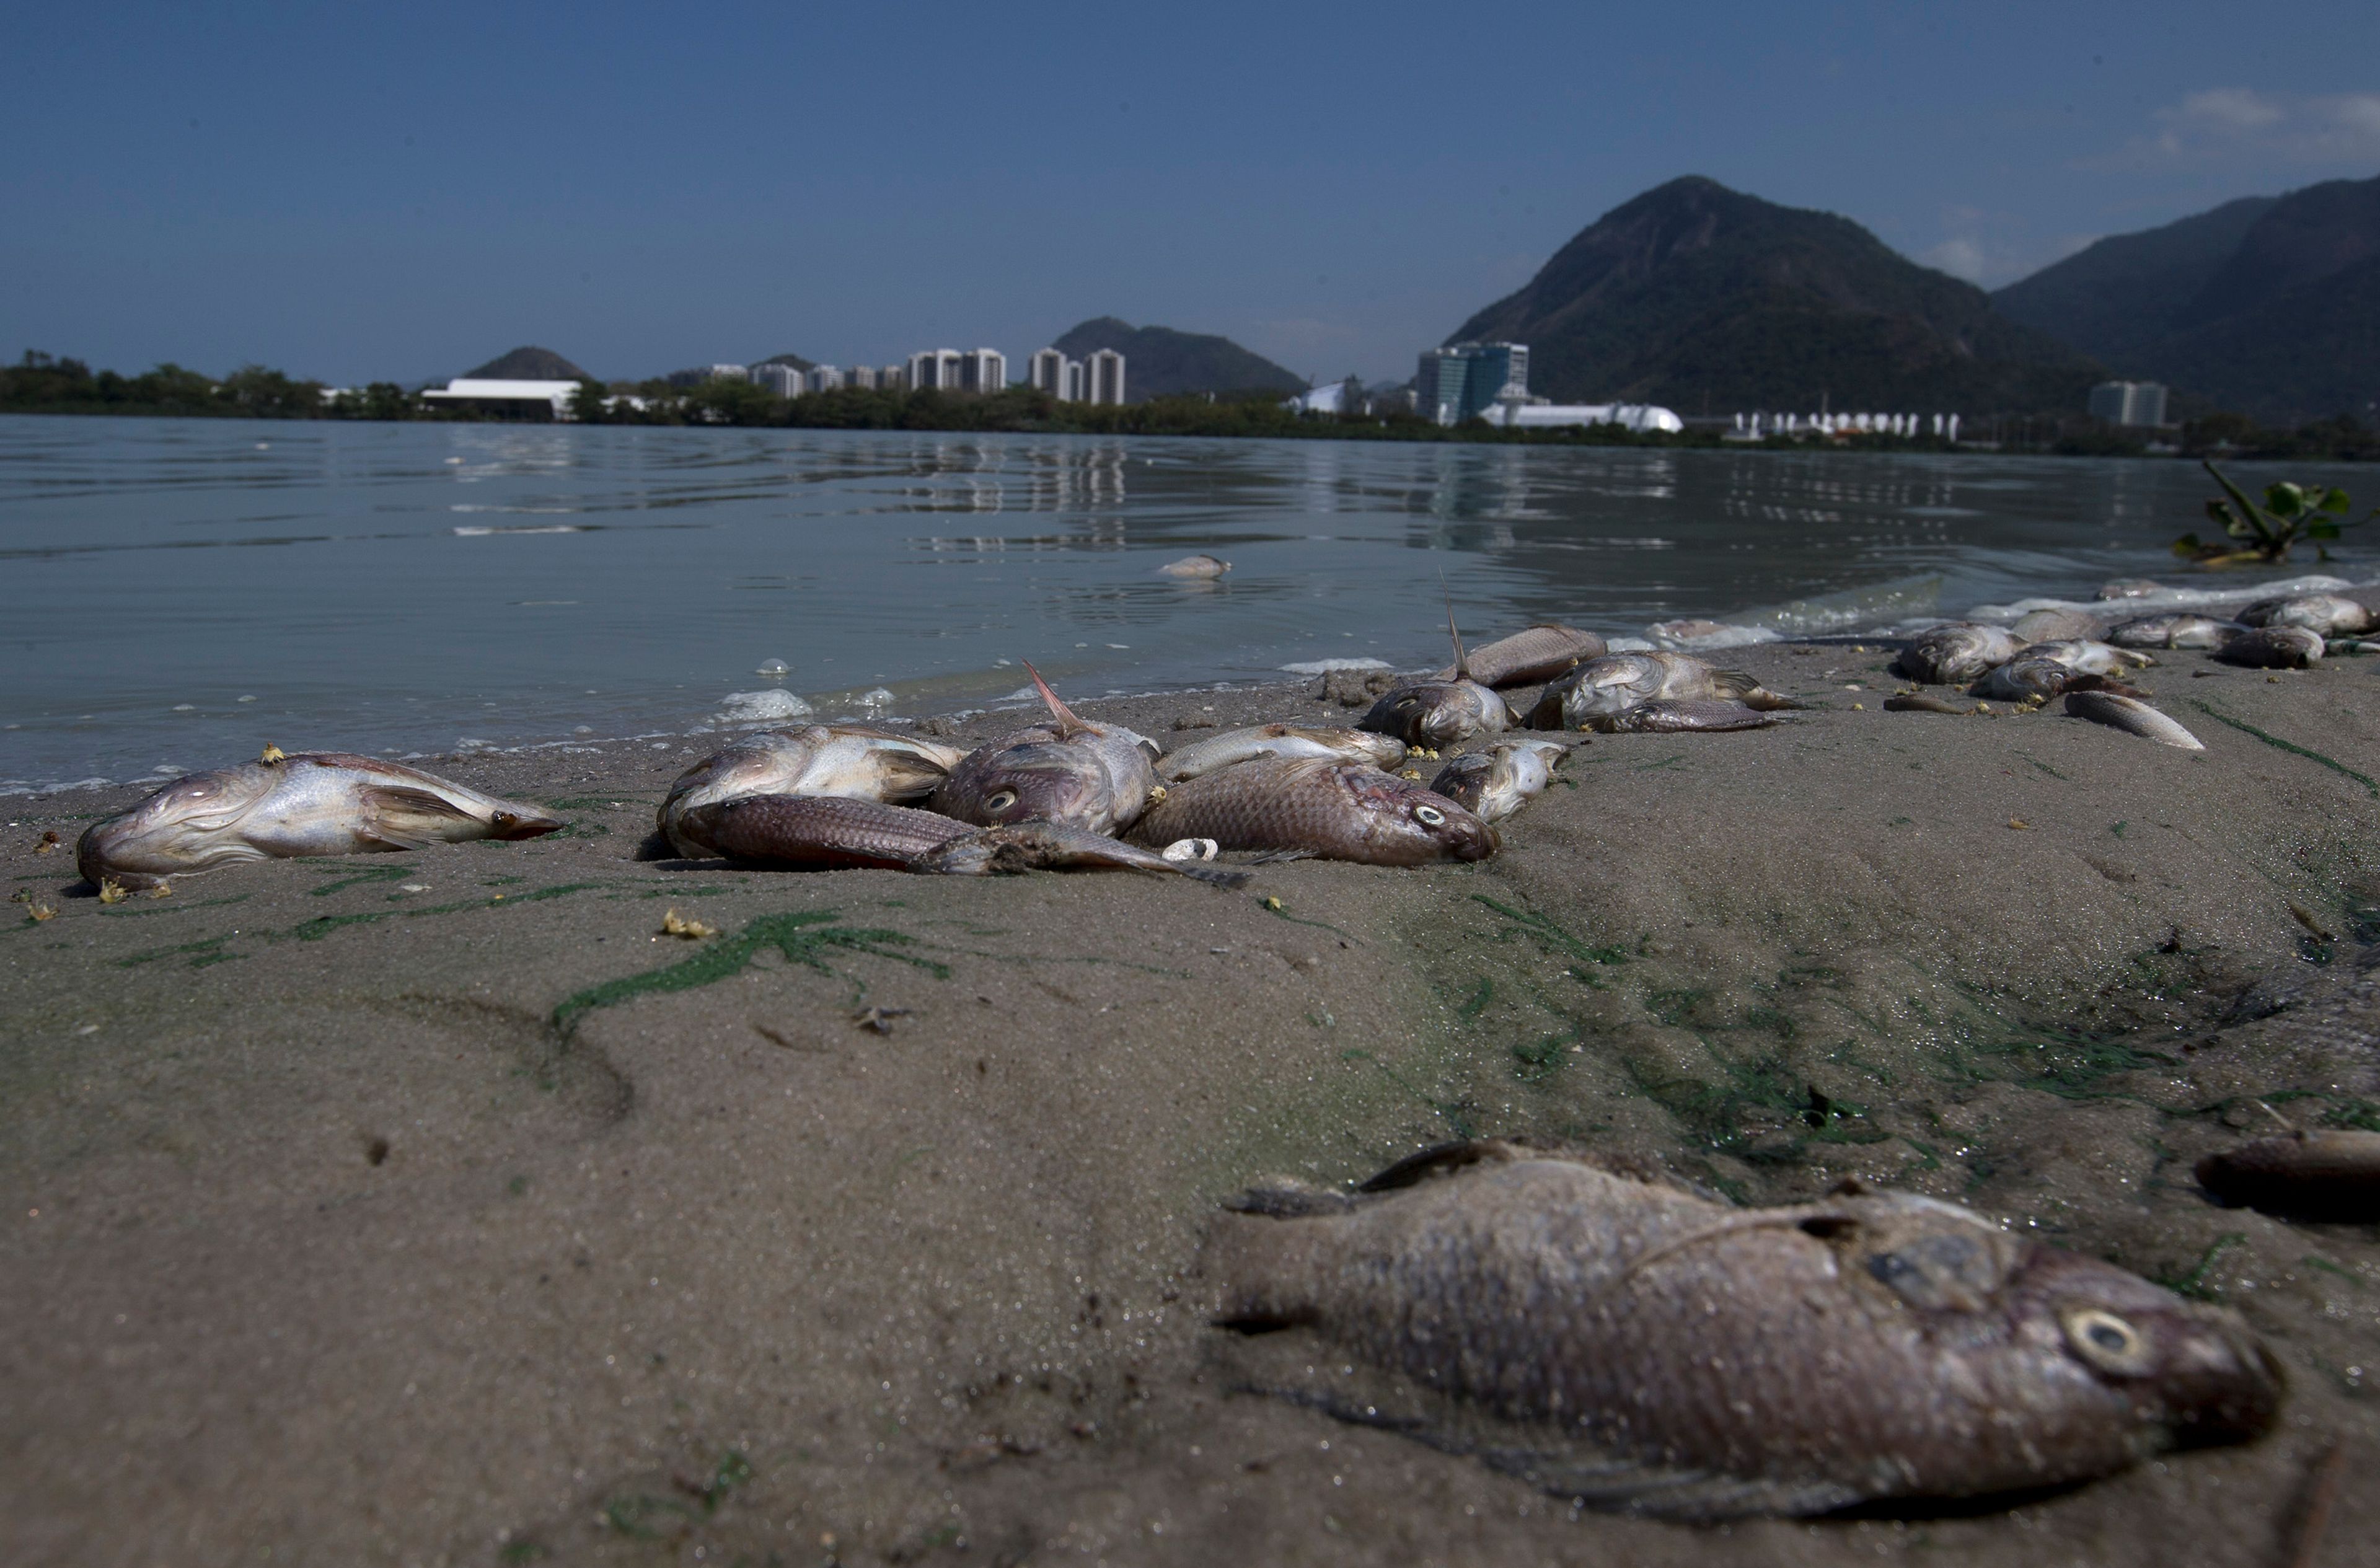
<point x="2266" y="533"/>
<point x="801" y="936"/>
<point x="2370" y="785"/>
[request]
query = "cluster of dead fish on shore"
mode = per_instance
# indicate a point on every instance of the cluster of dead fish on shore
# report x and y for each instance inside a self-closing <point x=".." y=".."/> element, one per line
<point x="2089" y="658"/>
<point x="1604" y="1332"/>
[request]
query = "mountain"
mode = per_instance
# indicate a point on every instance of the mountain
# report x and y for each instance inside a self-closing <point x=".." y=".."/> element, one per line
<point x="1708" y="300"/>
<point x="2270" y="305"/>
<point x="795" y="360"/>
<point x="528" y="364"/>
<point x="1160" y="362"/>
<point x="2116" y="296"/>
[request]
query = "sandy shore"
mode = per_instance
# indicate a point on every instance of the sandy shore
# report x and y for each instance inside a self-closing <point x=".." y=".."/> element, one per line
<point x="435" y="1209"/>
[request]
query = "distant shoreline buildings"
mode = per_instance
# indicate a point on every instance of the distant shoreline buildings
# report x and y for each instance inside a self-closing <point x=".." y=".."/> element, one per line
<point x="1490" y="382"/>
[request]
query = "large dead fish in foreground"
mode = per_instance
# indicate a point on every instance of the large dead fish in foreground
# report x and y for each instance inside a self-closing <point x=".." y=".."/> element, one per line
<point x="1071" y="771"/>
<point x="311" y="803"/>
<point x="1314" y="805"/>
<point x="1538" y="653"/>
<point x="1643" y="1349"/>
<point x="1447" y="712"/>
<point x="1606" y="688"/>
<point x="823" y="832"/>
<point x="856" y="760"/>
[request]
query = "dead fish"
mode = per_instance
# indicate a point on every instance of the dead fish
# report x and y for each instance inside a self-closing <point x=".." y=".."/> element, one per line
<point x="1678" y="716"/>
<point x="1494" y="783"/>
<point x="1609" y="686"/>
<point x="1922" y="702"/>
<point x="2133" y="716"/>
<point x="1072" y="771"/>
<point x="856" y="761"/>
<point x="1195" y="567"/>
<point x="2320" y="1174"/>
<point x="2273" y="647"/>
<point x="2174" y="631"/>
<point x="820" y="832"/>
<point x="2128" y="588"/>
<point x="1644" y="1349"/>
<point x="2054" y="625"/>
<point x="2045" y="669"/>
<point x="1539" y="653"/>
<point x="1336" y="810"/>
<point x="1956" y="653"/>
<point x="2325" y="613"/>
<point x="1438" y="713"/>
<point x="308" y="803"/>
<point x="1234" y="747"/>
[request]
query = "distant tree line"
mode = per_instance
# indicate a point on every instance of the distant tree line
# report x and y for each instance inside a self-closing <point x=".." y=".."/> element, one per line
<point x="42" y="385"/>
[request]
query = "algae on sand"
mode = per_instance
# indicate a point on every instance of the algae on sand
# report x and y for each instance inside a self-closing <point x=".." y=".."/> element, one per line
<point x="800" y="935"/>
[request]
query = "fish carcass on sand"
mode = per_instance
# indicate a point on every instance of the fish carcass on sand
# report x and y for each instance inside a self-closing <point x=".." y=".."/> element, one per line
<point x="820" y="832"/>
<point x="856" y="760"/>
<point x="2178" y="630"/>
<point x="1445" y="711"/>
<point x="1234" y="747"/>
<point x="1494" y="783"/>
<point x="2273" y="647"/>
<point x="1335" y="811"/>
<point x="1538" y="653"/>
<point x="2326" y="614"/>
<point x="306" y="803"/>
<point x="1641" y="1348"/>
<point x="1071" y="771"/>
<point x="2313" y="1174"/>
<point x="1609" y="687"/>
<point x="1956" y="653"/>
<point x="1665" y="715"/>
<point x="2133" y="716"/>
<point x="2045" y="669"/>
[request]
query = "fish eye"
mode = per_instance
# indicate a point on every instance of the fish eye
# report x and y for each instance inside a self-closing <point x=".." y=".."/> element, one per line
<point x="1428" y="816"/>
<point x="1002" y="799"/>
<point x="2106" y="1341"/>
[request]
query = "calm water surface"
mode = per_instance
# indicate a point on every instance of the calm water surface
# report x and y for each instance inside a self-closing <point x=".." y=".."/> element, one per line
<point x="175" y="593"/>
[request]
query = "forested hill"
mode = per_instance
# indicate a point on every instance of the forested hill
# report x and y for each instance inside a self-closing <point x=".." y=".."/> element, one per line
<point x="528" y="364"/>
<point x="1708" y="300"/>
<point x="1162" y="362"/>
<point x="2269" y="306"/>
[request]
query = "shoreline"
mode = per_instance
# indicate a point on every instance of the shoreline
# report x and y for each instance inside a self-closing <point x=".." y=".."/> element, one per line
<point x="431" y="1206"/>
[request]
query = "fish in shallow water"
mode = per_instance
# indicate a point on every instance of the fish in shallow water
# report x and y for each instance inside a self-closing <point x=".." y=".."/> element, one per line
<point x="822" y="832"/>
<point x="846" y="759"/>
<point x="1194" y="567"/>
<point x="2133" y="716"/>
<point x="1072" y="771"/>
<point x="1539" y="653"/>
<point x="1644" y="1349"/>
<point x="1609" y="686"/>
<point x="1234" y="747"/>
<point x="2273" y="647"/>
<point x="2176" y="630"/>
<point x="304" y="803"/>
<point x="2325" y="614"/>
<point x="2328" y="1174"/>
<point x="1494" y="783"/>
<point x="1313" y="806"/>
<point x="1956" y="653"/>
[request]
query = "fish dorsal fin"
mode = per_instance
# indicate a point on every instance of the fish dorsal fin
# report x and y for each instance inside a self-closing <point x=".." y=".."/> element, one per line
<point x="1462" y="661"/>
<point x="1440" y="1159"/>
<point x="1069" y="726"/>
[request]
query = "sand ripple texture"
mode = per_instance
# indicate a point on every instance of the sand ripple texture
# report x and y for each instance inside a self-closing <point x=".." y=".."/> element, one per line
<point x="440" y="1206"/>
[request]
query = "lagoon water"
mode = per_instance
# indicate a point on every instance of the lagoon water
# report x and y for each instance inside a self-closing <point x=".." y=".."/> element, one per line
<point x="176" y="593"/>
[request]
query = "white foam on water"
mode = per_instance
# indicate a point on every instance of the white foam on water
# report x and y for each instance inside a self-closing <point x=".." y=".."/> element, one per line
<point x="1628" y="645"/>
<point x="1671" y="635"/>
<point x="1324" y="666"/>
<point x="2169" y="599"/>
<point x="760" y="707"/>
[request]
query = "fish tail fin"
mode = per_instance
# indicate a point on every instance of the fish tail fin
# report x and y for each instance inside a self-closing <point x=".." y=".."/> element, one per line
<point x="1287" y="1198"/>
<point x="1067" y="723"/>
<point x="1258" y="1270"/>
<point x="1214" y="876"/>
<point x="1735" y="685"/>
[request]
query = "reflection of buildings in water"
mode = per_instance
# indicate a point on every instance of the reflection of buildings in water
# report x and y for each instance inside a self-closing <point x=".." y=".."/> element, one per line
<point x="1323" y="468"/>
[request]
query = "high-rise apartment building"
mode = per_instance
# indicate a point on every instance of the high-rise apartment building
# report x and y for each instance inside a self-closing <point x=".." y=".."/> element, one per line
<point x="935" y="370"/>
<point x="1468" y="379"/>
<point x="860" y="375"/>
<point x="1103" y="377"/>
<point x="983" y="371"/>
<point x="824" y="378"/>
<point x="782" y="379"/>
<point x="2128" y="402"/>
<point x="1062" y="378"/>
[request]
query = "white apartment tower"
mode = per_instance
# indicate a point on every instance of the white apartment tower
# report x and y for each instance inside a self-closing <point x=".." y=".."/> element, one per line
<point x="782" y="379"/>
<point x="1103" y="377"/>
<point x="1060" y="377"/>
<point x="824" y="378"/>
<point x="892" y="378"/>
<point x="983" y="371"/>
<point x="935" y="370"/>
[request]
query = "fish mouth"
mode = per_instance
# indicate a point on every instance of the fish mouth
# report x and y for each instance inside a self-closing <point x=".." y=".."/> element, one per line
<point x="514" y="826"/>
<point x="2232" y="1393"/>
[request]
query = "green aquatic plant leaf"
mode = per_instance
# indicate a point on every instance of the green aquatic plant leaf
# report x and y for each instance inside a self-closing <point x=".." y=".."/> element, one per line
<point x="2289" y="746"/>
<point x="803" y="936"/>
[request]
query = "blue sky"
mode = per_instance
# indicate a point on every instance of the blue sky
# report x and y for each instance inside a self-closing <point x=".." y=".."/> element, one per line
<point x="398" y="193"/>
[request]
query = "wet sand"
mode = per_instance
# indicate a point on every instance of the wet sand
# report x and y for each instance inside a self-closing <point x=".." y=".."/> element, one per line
<point x="436" y="1208"/>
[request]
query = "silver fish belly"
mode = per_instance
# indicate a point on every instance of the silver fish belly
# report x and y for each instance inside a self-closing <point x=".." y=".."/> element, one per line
<point x="309" y="803"/>
<point x="2133" y="716"/>
<point x="854" y="760"/>
<point x="1641" y="1348"/>
<point x="2324" y="613"/>
<point x="1609" y="686"/>
<point x="2174" y="631"/>
<point x="1494" y="783"/>
<point x="1234" y="747"/>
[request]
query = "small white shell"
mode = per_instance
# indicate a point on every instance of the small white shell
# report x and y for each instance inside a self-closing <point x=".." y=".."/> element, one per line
<point x="1191" y="850"/>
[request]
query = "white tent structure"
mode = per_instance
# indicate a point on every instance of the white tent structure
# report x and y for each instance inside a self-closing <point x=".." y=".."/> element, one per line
<point x="1640" y="417"/>
<point x="555" y="394"/>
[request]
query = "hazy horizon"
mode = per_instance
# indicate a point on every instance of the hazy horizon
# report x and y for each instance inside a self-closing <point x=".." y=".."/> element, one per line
<point x="371" y="197"/>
